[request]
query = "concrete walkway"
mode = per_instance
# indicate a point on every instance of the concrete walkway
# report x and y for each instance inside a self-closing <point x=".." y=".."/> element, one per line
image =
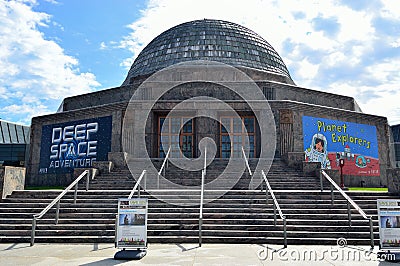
<point x="188" y="254"/>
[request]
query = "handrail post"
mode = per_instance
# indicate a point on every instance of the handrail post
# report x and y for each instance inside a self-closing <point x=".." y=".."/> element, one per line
<point x="201" y="207"/>
<point x="320" y="181"/>
<point x="33" y="231"/>
<point x="200" y="233"/>
<point x="267" y="194"/>
<point x="332" y="196"/>
<point x="87" y="180"/>
<point x="145" y="181"/>
<point x="75" y="193"/>
<point x="57" y="212"/>
<point x="115" y="231"/>
<point x="274" y="214"/>
<point x="158" y="181"/>
<point x="371" y="231"/>
<point x="349" y="213"/>
<point x="284" y="233"/>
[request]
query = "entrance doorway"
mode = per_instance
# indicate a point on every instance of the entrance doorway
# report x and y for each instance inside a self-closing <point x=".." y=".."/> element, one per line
<point x="177" y="133"/>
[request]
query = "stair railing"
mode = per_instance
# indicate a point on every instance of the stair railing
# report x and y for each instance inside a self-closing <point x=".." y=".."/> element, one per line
<point x="57" y="201"/>
<point x="203" y="174"/>
<point x="268" y="190"/>
<point x="163" y="166"/>
<point x="349" y="201"/>
<point x="248" y="167"/>
<point x="138" y="186"/>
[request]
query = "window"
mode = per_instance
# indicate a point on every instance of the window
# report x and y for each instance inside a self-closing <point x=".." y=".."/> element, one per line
<point x="397" y="151"/>
<point x="239" y="128"/>
<point x="177" y="133"/>
<point x="269" y="93"/>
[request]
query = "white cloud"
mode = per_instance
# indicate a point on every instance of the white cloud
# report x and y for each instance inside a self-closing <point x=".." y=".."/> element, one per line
<point x="391" y="8"/>
<point x="348" y="62"/>
<point x="32" y="67"/>
<point x="103" y="46"/>
<point x="307" y="70"/>
<point x="26" y="111"/>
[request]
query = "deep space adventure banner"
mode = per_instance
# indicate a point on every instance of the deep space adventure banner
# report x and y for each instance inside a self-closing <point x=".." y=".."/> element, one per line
<point x="74" y="144"/>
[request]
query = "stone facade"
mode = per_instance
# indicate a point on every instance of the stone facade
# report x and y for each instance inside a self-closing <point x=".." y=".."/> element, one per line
<point x="288" y="119"/>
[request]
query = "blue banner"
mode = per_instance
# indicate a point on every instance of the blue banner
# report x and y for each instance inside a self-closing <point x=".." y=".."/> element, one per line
<point x="75" y="144"/>
<point x="327" y="141"/>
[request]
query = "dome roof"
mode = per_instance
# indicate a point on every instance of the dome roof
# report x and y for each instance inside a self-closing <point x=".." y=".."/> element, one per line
<point x="207" y="39"/>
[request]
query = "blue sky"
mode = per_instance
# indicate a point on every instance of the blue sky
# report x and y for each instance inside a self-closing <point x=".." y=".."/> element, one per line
<point x="52" y="49"/>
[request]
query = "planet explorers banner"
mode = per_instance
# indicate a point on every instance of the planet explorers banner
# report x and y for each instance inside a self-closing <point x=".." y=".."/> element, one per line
<point x="74" y="144"/>
<point x="327" y="141"/>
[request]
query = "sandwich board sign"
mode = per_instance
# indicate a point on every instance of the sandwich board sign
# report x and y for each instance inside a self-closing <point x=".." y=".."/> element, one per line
<point x="389" y="227"/>
<point x="131" y="228"/>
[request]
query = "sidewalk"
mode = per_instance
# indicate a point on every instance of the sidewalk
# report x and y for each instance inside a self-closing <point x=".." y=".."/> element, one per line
<point x="188" y="254"/>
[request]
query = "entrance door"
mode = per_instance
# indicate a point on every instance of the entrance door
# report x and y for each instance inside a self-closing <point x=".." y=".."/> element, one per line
<point x="238" y="128"/>
<point x="175" y="134"/>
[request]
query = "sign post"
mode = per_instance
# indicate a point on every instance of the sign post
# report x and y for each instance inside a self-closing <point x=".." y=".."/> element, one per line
<point x="341" y="164"/>
<point x="131" y="228"/>
<point x="389" y="229"/>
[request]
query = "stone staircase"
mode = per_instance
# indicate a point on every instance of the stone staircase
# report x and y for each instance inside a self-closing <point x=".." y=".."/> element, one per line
<point x="239" y="216"/>
<point x="279" y="176"/>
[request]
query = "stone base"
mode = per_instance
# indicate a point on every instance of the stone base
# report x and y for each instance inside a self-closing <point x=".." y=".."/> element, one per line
<point x="311" y="168"/>
<point x="294" y="159"/>
<point x="130" y="254"/>
<point x="103" y="167"/>
<point x="11" y="178"/>
<point x="393" y="176"/>
<point x="117" y="159"/>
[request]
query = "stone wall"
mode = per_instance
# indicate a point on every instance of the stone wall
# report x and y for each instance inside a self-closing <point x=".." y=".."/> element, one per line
<point x="11" y="178"/>
<point x="393" y="176"/>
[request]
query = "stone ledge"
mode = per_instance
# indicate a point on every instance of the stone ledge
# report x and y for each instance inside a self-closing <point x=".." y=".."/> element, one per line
<point x="103" y="167"/>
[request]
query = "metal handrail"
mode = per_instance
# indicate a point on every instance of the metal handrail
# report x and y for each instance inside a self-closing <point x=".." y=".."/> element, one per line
<point x="162" y="167"/>
<point x="57" y="201"/>
<point x="137" y="185"/>
<point x="276" y="207"/>
<point x="205" y="160"/>
<point x="248" y="168"/>
<point x="247" y="162"/>
<point x="349" y="201"/>
<point x="203" y="174"/>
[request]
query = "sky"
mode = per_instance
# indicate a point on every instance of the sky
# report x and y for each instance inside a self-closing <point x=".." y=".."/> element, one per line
<point x="52" y="49"/>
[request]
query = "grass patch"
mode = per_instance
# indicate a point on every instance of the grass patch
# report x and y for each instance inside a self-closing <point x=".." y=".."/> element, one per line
<point x="45" y="188"/>
<point x="380" y="189"/>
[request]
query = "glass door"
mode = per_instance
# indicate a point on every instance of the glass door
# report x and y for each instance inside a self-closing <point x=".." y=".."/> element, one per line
<point x="177" y="133"/>
<point x="239" y="128"/>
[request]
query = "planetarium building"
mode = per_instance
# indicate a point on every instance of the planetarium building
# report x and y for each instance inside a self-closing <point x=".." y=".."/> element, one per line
<point x="215" y="84"/>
